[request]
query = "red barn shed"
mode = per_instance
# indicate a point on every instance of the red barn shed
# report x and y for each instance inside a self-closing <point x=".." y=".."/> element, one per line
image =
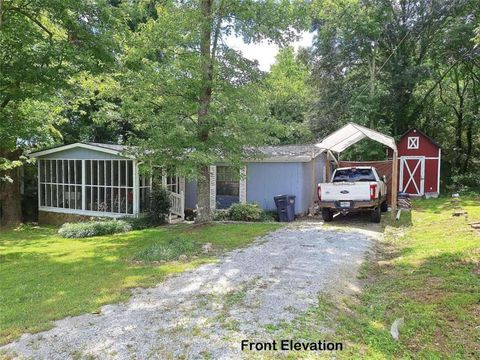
<point x="419" y="164"/>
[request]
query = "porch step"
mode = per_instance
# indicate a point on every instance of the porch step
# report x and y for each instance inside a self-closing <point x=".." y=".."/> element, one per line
<point x="175" y="219"/>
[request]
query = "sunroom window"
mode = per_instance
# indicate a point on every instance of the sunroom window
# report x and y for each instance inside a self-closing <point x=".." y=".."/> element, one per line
<point x="109" y="186"/>
<point x="60" y="183"/>
<point x="105" y="186"/>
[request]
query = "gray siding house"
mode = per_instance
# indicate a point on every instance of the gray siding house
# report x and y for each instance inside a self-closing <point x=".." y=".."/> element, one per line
<point x="92" y="179"/>
<point x="276" y="170"/>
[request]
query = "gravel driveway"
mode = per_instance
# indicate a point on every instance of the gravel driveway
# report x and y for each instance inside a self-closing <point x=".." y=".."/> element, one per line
<point x="206" y="312"/>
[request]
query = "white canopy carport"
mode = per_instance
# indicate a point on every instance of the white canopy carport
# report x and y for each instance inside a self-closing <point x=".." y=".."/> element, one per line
<point x="352" y="133"/>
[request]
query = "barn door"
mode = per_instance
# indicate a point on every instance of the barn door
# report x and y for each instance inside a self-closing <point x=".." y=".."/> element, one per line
<point x="412" y="175"/>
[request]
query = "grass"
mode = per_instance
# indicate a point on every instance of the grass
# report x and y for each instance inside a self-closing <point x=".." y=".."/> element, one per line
<point x="45" y="277"/>
<point x="427" y="271"/>
<point x="173" y="249"/>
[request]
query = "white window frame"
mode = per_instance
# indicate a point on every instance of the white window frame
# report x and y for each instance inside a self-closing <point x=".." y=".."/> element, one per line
<point x="44" y="185"/>
<point x="413" y="142"/>
<point x="213" y="186"/>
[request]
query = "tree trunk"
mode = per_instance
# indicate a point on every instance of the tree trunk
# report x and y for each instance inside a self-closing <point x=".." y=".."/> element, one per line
<point x="468" y="154"/>
<point x="459" y="112"/>
<point x="470" y="129"/>
<point x="10" y="196"/>
<point x="203" y="196"/>
<point x="372" y="67"/>
<point x="203" y="188"/>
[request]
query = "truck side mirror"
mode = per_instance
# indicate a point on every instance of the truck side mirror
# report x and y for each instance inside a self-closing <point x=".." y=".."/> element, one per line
<point x="384" y="178"/>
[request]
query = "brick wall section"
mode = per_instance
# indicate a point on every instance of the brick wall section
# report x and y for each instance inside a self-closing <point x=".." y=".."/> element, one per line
<point x="54" y="218"/>
<point x="383" y="167"/>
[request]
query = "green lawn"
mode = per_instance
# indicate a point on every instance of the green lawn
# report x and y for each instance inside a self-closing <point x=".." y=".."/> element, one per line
<point x="44" y="277"/>
<point x="426" y="270"/>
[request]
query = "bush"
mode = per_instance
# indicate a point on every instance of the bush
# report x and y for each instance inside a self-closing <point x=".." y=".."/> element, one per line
<point x="269" y="216"/>
<point x="221" y="215"/>
<point x="159" y="206"/>
<point x="140" y="223"/>
<point x="465" y="183"/>
<point x="93" y="228"/>
<point x="190" y="214"/>
<point x="169" y="251"/>
<point x="245" y="212"/>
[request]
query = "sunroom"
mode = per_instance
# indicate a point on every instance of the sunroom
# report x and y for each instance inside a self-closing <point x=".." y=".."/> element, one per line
<point x="92" y="179"/>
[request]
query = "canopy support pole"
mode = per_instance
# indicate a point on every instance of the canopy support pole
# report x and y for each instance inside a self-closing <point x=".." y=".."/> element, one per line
<point x="394" y="182"/>
<point x="313" y="187"/>
<point x="327" y="168"/>
<point x="333" y="157"/>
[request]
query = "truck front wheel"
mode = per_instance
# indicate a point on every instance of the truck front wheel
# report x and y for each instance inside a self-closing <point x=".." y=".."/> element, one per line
<point x="327" y="215"/>
<point x="376" y="215"/>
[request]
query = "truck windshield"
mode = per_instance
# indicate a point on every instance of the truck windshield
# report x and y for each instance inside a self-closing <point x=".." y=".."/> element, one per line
<point x="351" y="175"/>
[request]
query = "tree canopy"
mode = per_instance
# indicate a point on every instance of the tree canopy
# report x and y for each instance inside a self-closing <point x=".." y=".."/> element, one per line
<point x="160" y="75"/>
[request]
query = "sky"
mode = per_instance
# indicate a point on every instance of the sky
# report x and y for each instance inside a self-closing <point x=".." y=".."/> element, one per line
<point x="264" y="52"/>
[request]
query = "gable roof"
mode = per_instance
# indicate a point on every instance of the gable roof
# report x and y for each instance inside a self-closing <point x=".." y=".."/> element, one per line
<point x="423" y="134"/>
<point x="105" y="148"/>
<point x="283" y="153"/>
<point x="278" y="153"/>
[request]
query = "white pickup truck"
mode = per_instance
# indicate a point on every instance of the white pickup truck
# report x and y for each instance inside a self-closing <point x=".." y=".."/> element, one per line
<point x="353" y="189"/>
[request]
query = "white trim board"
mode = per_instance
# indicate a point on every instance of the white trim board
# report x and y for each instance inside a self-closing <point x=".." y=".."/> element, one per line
<point x="76" y="145"/>
<point x="281" y="159"/>
<point x="85" y="212"/>
<point x="242" y="185"/>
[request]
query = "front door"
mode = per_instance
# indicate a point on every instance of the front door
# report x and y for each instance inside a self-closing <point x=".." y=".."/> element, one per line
<point x="412" y="174"/>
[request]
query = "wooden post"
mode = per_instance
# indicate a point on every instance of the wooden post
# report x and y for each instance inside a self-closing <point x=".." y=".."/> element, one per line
<point x="313" y="187"/>
<point x="327" y="168"/>
<point x="394" y="182"/>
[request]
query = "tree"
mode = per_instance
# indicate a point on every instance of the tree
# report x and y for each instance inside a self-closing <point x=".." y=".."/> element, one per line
<point x="44" y="45"/>
<point x="288" y="96"/>
<point x="370" y="57"/>
<point x="393" y="65"/>
<point x="196" y="98"/>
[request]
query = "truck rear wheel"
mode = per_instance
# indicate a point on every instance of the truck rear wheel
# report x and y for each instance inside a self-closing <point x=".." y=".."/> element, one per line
<point x="327" y="215"/>
<point x="384" y="206"/>
<point x="376" y="215"/>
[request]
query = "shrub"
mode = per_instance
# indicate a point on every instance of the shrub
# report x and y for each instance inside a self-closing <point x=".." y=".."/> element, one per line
<point x="465" y="183"/>
<point x="221" y="215"/>
<point x="269" y="216"/>
<point x="93" y="228"/>
<point x="159" y="205"/>
<point x="140" y="223"/>
<point x="168" y="251"/>
<point x="245" y="212"/>
<point x="190" y="214"/>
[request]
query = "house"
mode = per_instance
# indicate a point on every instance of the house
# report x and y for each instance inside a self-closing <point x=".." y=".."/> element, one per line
<point x="92" y="179"/>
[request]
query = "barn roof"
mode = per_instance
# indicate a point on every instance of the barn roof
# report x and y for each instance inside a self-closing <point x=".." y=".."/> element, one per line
<point x="423" y="134"/>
